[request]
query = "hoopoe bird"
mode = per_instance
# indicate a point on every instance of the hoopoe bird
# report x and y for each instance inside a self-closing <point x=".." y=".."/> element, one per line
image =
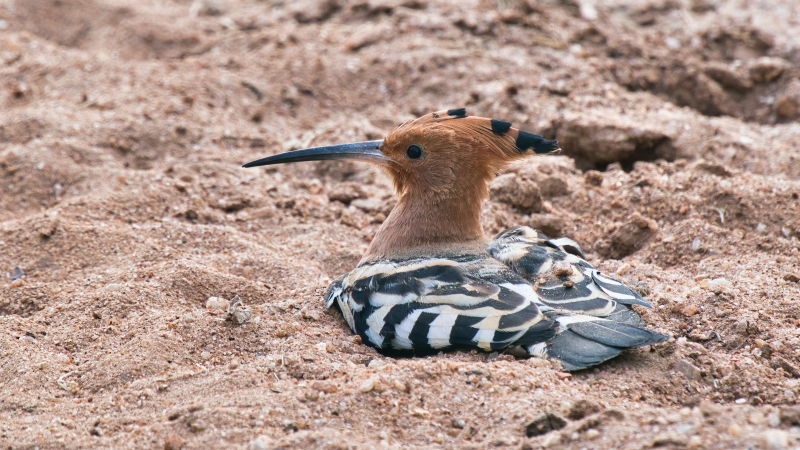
<point x="430" y="280"/>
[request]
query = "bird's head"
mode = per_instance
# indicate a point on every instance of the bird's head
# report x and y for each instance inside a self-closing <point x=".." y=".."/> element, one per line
<point x="439" y="156"/>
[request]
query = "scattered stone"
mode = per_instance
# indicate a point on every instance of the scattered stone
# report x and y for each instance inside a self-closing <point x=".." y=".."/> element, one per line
<point x="734" y="430"/>
<point x="694" y="442"/>
<point x="553" y="187"/>
<point x="205" y="356"/>
<point x="787" y="106"/>
<point x="521" y="193"/>
<point x="196" y="426"/>
<point x="790" y="368"/>
<point x="593" y="178"/>
<point x="346" y="192"/>
<point x="719" y="284"/>
<point x="421" y="413"/>
<point x="261" y="443"/>
<point x="376" y="363"/>
<point x="562" y="269"/>
<point x="309" y="314"/>
<point x="112" y="287"/>
<point x="792" y="278"/>
<point x="595" y="140"/>
<point x="549" y="224"/>
<point x="17" y="283"/>
<point x="367" y="385"/>
<point x="669" y="438"/>
<point x="543" y="424"/>
<point x="766" y="69"/>
<point x="715" y="169"/>
<point x="238" y="313"/>
<point x="316" y="11"/>
<point x="629" y="238"/>
<point x="756" y="418"/>
<point x="217" y="304"/>
<point x="775" y="440"/>
<point x="591" y="433"/>
<point x="173" y="441"/>
<point x="324" y="386"/>
<point x="790" y="415"/>
<point x="582" y="408"/>
<point x="459" y="423"/>
<point x="16" y="274"/>
<point x="690" y="310"/>
<point x="688" y="369"/>
<point x="728" y="77"/>
<point x="324" y="347"/>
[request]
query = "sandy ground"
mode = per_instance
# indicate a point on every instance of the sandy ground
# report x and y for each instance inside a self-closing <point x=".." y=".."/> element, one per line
<point x="122" y="202"/>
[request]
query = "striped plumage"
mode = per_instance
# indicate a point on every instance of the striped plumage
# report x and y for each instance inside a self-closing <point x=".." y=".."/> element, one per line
<point x="430" y="281"/>
<point x="527" y="295"/>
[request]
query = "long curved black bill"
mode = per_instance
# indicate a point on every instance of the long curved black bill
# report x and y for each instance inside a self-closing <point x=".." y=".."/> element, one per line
<point x="367" y="151"/>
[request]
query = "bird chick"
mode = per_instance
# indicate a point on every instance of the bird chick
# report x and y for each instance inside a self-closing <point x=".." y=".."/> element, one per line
<point x="431" y="281"/>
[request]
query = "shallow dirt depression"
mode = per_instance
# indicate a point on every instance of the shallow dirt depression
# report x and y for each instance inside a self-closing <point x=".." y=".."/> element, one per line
<point x="127" y="224"/>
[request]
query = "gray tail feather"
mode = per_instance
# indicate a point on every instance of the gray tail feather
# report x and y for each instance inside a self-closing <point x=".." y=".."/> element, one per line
<point x="586" y="344"/>
<point x="624" y="314"/>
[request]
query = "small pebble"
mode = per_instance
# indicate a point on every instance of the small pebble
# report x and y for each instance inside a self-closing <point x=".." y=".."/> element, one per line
<point x="591" y="433"/>
<point x="740" y="401"/>
<point x="696" y="244"/>
<point x="309" y="314"/>
<point x="775" y="439"/>
<point x="761" y="227"/>
<point x="688" y="369"/>
<point x="459" y="423"/>
<point x="324" y="347"/>
<point x="694" y="442"/>
<point x="173" y="442"/>
<point x="324" y="386"/>
<point x="16" y="274"/>
<point x="111" y="287"/>
<point x="367" y="385"/>
<point x="217" y="304"/>
<point x="718" y="284"/>
<point x="690" y="310"/>
<point x="734" y="430"/>
<point x="562" y="269"/>
<point x="756" y="418"/>
<point x="261" y="443"/>
<point x="205" y="355"/>
<point x="376" y="363"/>
<point x="238" y="313"/>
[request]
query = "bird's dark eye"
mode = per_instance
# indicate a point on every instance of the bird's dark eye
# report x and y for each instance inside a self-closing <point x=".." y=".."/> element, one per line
<point x="414" y="152"/>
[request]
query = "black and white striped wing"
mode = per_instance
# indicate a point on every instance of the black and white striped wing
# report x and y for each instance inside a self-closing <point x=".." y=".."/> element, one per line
<point x="565" y="281"/>
<point x="427" y="305"/>
<point x="593" y="311"/>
